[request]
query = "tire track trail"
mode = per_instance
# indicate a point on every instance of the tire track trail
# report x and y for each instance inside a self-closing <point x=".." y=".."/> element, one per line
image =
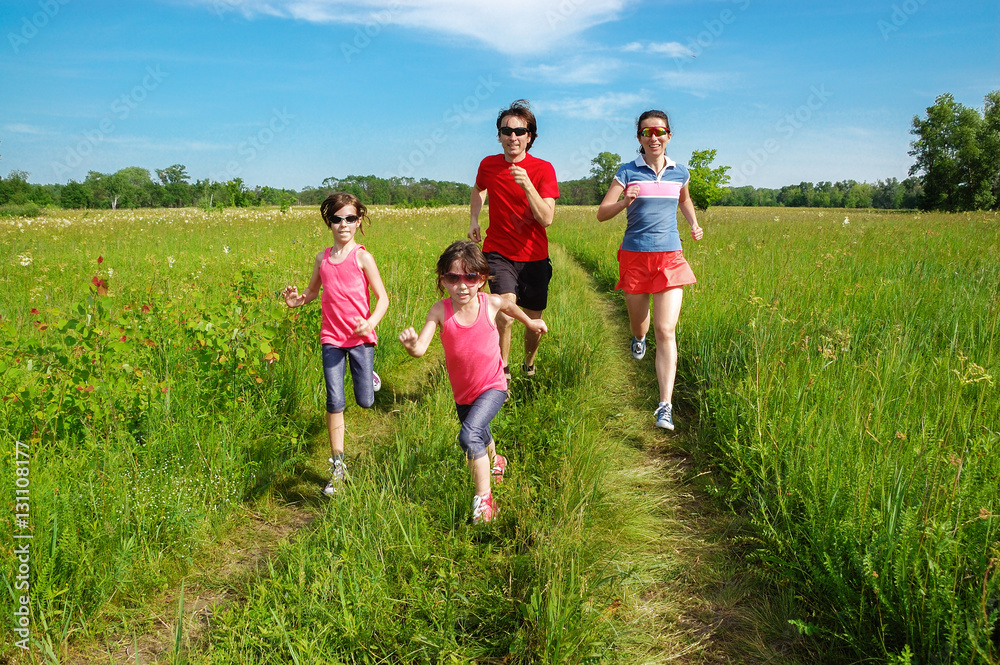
<point x="695" y="600"/>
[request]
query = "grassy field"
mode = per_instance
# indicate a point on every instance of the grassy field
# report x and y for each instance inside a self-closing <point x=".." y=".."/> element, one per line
<point x="844" y="367"/>
<point x="837" y="394"/>
<point x="169" y="403"/>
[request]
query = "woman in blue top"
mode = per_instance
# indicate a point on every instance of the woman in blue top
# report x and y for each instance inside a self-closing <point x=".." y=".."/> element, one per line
<point x="650" y="261"/>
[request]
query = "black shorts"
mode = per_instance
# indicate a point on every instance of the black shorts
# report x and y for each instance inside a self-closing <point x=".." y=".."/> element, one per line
<point x="528" y="280"/>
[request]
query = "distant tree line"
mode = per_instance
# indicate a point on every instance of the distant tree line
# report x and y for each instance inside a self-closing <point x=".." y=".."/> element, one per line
<point x="706" y="186"/>
<point x="403" y="192"/>
<point x="134" y="187"/>
<point x="887" y="194"/>
<point x="956" y="152"/>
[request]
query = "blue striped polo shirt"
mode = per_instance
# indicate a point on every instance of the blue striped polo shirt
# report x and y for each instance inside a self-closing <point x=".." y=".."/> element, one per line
<point x="652" y="218"/>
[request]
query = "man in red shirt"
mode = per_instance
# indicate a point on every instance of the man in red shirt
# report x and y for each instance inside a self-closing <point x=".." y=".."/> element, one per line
<point x="523" y="192"/>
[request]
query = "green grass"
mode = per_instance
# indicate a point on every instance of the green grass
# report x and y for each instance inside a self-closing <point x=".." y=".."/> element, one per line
<point x="844" y="370"/>
<point x="836" y="389"/>
<point x="136" y="482"/>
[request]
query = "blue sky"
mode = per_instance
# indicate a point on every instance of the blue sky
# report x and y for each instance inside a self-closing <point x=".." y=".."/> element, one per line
<point x="289" y="92"/>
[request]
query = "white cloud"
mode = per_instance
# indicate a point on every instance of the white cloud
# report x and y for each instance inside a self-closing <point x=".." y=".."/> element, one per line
<point x="609" y="106"/>
<point x="146" y="143"/>
<point x="669" y="49"/>
<point x="576" y="72"/>
<point x="513" y="27"/>
<point x="21" y="128"/>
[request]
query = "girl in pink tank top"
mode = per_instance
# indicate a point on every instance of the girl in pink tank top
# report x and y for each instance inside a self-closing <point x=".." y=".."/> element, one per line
<point x="345" y="273"/>
<point x="472" y="355"/>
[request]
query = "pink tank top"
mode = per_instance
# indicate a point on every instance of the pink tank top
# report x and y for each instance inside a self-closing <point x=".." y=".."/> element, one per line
<point x="472" y="353"/>
<point x="344" y="297"/>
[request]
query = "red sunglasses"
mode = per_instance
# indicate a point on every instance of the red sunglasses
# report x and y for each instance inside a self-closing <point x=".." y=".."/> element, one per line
<point x="470" y="278"/>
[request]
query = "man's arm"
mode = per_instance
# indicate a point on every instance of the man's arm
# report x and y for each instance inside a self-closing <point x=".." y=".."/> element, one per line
<point x="543" y="210"/>
<point x="476" y="202"/>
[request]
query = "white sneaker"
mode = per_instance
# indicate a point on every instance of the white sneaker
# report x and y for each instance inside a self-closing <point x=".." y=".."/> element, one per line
<point x="664" y="416"/>
<point x="338" y="476"/>
<point x="376" y="381"/>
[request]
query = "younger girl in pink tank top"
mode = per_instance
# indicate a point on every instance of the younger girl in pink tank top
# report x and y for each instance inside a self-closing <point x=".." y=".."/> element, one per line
<point x="472" y="355"/>
<point x="345" y="273"/>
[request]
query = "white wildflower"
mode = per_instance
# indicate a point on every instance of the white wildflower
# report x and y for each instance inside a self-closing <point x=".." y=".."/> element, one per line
<point x="170" y="261"/>
<point x="25" y="259"/>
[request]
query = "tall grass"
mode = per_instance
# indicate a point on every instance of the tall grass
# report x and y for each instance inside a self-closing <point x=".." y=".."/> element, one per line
<point x="146" y="401"/>
<point x="145" y="450"/>
<point x="845" y="371"/>
<point x="393" y="571"/>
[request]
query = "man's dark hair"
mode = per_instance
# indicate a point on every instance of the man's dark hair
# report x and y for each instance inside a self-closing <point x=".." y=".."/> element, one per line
<point x="520" y="109"/>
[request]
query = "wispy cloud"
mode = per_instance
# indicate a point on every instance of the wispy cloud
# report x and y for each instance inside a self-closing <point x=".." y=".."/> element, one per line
<point x="514" y="27"/>
<point x="669" y="49"/>
<point x="697" y="83"/>
<point x="609" y="106"/>
<point x="146" y="143"/>
<point x="21" y="128"/>
<point x="576" y="72"/>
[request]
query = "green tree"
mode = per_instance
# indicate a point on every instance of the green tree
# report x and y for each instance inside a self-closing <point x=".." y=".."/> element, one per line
<point x="75" y="195"/>
<point x="236" y="193"/>
<point x="989" y="143"/>
<point x="15" y="188"/>
<point x="603" y="170"/>
<point x="860" y="195"/>
<point x="957" y="153"/>
<point x="176" y="186"/>
<point x="707" y="184"/>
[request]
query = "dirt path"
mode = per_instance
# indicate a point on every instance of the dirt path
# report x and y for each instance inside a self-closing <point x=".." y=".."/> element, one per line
<point x="692" y="605"/>
<point x="701" y="606"/>
<point x="206" y="591"/>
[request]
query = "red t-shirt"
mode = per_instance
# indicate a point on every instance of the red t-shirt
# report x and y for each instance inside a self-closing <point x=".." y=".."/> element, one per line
<point x="513" y="231"/>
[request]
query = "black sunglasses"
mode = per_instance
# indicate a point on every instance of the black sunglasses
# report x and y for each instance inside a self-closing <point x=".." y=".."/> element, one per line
<point x="337" y="219"/>
<point x="516" y="131"/>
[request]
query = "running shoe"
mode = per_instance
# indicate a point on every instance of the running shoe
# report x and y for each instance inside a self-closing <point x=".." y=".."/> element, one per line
<point x="338" y="476"/>
<point x="483" y="509"/>
<point x="638" y="348"/>
<point x="499" y="464"/>
<point x="664" y="416"/>
<point x="376" y="381"/>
